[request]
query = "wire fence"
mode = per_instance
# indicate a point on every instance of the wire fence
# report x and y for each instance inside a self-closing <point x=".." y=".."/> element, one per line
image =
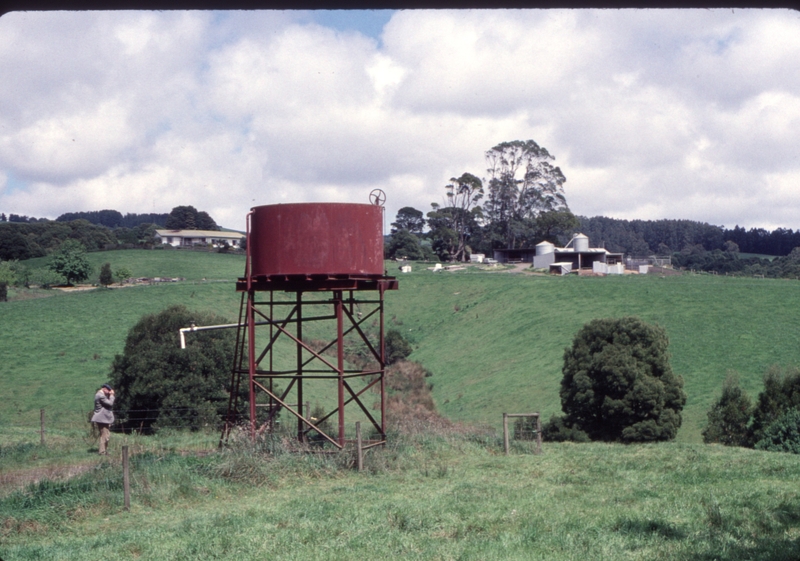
<point x="27" y="428"/>
<point x="132" y="420"/>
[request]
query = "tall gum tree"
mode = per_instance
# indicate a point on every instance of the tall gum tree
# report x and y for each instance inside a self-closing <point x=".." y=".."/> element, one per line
<point x="522" y="184"/>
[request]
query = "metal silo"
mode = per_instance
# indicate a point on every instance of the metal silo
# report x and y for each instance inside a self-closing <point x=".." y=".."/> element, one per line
<point x="545" y="248"/>
<point x="580" y="243"/>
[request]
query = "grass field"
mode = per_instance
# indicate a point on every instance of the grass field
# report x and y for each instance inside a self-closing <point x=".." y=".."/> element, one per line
<point x="494" y="341"/>
<point x="429" y="497"/>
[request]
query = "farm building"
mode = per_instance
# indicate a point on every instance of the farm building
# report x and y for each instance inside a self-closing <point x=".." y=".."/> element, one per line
<point x="184" y="238"/>
<point x="566" y="259"/>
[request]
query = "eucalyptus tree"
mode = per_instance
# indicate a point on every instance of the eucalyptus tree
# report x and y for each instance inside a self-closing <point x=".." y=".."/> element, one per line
<point x="410" y="219"/>
<point x="522" y="184"/>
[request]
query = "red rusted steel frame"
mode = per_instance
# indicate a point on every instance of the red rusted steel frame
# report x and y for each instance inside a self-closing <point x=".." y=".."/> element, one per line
<point x="329" y="375"/>
<point x="300" y="345"/>
<point x="297" y="341"/>
<point x="357" y="327"/>
<point x="363" y="390"/>
<point x="251" y="355"/>
<point x="298" y="415"/>
<point x="311" y="284"/>
<point x="275" y="337"/>
<point x="361" y="405"/>
<point x="272" y="408"/>
<point x="233" y="398"/>
<point x="338" y="306"/>
<point x="382" y="363"/>
<point x="338" y="372"/>
<point x="347" y="332"/>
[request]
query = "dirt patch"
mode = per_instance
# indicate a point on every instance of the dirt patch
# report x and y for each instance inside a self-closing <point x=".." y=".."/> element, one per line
<point x="76" y="288"/>
<point x="663" y="271"/>
<point x="18" y="479"/>
<point x="518" y="268"/>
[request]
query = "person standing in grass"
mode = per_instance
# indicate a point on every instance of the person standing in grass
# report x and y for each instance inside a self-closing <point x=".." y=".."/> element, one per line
<point x="103" y="415"/>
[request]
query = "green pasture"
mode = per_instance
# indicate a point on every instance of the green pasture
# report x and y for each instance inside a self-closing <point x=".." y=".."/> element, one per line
<point x="429" y="497"/>
<point x="494" y="341"/>
<point x="188" y="264"/>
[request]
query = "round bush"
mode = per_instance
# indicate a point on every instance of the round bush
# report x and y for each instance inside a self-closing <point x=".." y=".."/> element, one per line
<point x="618" y="384"/>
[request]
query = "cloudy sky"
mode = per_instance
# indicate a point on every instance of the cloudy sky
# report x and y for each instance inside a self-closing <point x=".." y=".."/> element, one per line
<point x="650" y="114"/>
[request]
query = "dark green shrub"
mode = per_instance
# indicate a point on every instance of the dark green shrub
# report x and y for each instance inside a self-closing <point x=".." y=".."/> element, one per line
<point x="729" y="416"/>
<point x="158" y="384"/>
<point x="618" y="384"/>
<point x="397" y="347"/>
<point x="3" y="291"/>
<point x="555" y="430"/>
<point x="783" y="435"/>
<point x="106" y="276"/>
<point x="781" y="393"/>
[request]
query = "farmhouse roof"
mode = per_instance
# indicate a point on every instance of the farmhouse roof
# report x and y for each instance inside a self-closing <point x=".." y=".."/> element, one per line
<point x="200" y="234"/>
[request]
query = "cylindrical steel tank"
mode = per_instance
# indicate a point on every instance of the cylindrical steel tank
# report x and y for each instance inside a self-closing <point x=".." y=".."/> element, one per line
<point x="544" y="248"/>
<point x="316" y="239"/>
<point x="580" y="243"/>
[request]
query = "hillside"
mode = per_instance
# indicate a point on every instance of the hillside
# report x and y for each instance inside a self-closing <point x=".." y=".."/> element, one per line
<point x="494" y="341"/>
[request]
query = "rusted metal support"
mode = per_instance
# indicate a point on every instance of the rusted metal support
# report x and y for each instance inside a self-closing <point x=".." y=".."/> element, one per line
<point x="299" y="346"/>
<point x="323" y="257"/>
<point x="337" y="297"/>
<point x="251" y="354"/>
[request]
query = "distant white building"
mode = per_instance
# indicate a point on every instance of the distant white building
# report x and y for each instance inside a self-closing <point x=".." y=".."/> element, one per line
<point x="563" y="260"/>
<point x="184" y="238"/>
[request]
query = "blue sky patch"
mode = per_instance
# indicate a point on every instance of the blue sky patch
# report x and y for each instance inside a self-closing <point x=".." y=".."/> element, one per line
<point x="367" y="22"/>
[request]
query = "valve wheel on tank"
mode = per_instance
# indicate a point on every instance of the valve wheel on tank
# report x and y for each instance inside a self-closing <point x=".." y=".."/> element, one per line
<point x="377" y="197"/>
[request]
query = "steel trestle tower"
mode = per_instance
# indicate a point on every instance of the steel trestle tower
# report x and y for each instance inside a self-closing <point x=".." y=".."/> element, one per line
<point x="312" y="295"/>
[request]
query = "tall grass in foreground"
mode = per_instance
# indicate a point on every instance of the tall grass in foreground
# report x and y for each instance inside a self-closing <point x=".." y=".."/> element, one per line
<point x="427" y="495"/>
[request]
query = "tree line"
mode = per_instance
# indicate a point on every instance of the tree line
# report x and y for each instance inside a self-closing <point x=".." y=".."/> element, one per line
<point x="108" y="218"/>
<point x="114" y="218"/>
<point x="95" y="230"/>
<point x="665" y="237"/>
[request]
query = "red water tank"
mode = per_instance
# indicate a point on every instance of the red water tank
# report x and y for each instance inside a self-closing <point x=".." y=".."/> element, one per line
<point x="316" y="239"/>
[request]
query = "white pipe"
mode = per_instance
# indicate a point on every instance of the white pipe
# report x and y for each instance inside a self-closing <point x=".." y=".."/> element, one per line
<point x="210" y="327"/>
<point x="203" y="328"/>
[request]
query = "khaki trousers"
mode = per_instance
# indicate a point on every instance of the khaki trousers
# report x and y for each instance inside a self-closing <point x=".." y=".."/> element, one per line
<point x="105" y="436"/>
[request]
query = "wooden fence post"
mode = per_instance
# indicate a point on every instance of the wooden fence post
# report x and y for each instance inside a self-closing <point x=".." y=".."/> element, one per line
<point x="126" y="480"/>
<point x="505" y="432"/>
<point x="538" y="433"/>
<point x="41" y="423"/>
<point x="359" y="448"/>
